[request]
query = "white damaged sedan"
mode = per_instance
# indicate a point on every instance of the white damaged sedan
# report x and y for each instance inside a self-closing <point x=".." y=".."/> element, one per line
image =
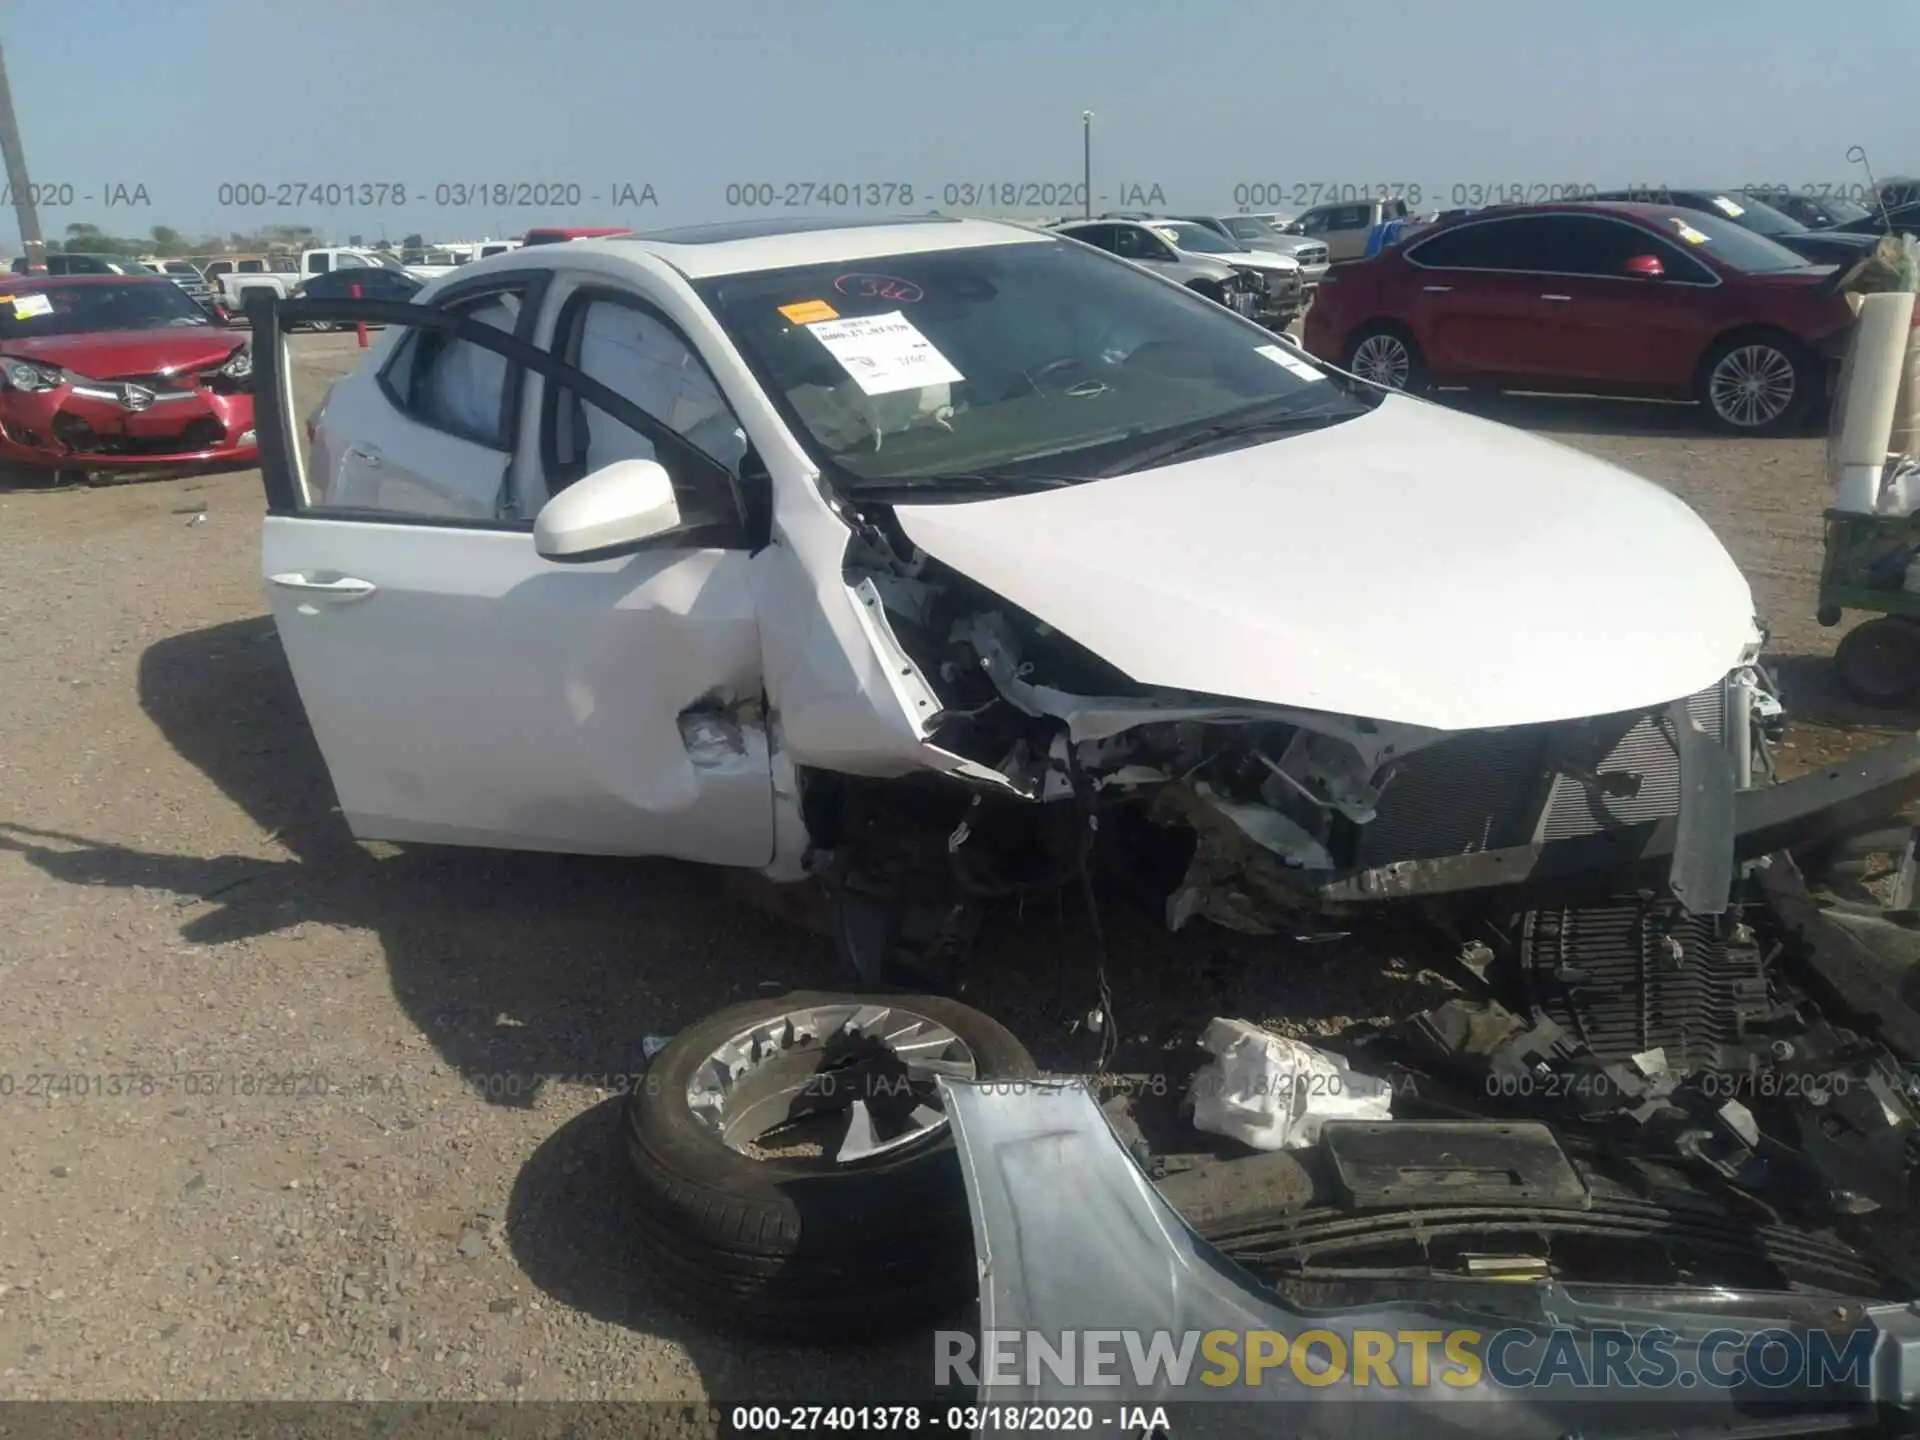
<point x="907" y="553"/>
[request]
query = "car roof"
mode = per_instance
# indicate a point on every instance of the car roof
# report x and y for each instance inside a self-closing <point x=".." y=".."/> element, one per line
<point x="1634" y="209"/>
<point x="733" y="248"/>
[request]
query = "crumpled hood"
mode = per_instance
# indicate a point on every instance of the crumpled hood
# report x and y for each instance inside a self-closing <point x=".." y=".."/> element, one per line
<point x="1414" y="565"/>
<point x="110" y="354"/>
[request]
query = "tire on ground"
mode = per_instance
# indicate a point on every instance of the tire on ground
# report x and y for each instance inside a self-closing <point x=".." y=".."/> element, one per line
<point x="783" y="1247"/>
<point x="1879" y="662"/>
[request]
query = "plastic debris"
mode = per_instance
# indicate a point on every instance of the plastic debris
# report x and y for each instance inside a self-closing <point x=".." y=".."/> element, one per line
<point x="1273" y="1093"/>
<point x="652" y="1045"/>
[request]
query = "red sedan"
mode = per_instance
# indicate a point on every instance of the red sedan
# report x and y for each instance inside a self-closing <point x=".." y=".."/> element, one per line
<point x="1593" y="298"/>
<point x="119" y="372"/>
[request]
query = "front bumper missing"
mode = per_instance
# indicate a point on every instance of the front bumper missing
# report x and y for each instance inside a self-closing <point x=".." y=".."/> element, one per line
<point x="1837" y="801"/>
<point x="1116" y="1263"/>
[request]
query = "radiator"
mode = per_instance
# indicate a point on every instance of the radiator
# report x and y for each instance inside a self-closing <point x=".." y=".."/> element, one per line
<point x="1631" y="975"/>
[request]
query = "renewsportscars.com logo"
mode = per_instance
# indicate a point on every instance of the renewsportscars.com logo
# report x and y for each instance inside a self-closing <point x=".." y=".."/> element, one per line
<point x="1223" y="1362"/>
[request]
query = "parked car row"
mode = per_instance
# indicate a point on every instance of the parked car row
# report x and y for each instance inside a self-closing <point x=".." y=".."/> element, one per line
<point x="1611" y="297"/>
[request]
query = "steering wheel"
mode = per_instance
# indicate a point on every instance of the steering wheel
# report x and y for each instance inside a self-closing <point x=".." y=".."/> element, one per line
<point x="1052" y="367"/>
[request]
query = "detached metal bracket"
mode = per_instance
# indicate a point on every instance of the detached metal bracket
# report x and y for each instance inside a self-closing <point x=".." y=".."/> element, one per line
<point x="1701" y="872"/>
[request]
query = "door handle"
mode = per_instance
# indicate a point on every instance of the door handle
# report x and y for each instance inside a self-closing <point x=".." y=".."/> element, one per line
<point x="345" y="588"/>
<point x="365" y="454"/>
<point x="1556" y="297"/>
<point x="1437" y="289"/>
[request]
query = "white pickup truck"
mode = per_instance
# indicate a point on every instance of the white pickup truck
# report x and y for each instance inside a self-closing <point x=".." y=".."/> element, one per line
<point x="236" y="287"/>
<point x="438" y="260"/>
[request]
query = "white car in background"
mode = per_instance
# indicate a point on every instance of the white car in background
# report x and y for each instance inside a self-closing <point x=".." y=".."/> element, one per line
<point x="1282" y="277"/>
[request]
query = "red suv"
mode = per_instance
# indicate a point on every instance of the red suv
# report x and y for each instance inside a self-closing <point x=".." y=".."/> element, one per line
<point x="1594" y="298"/>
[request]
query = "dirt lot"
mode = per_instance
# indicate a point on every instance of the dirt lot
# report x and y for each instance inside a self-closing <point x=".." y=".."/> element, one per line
<point x="447" y="1219"/>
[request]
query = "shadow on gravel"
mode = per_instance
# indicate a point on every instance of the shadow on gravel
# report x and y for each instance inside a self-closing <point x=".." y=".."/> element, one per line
<point x="568" y="1226"/>
<point x="1811" y="692"/>
<point x="1583" y="414"/>
<point x="519" y="967"/>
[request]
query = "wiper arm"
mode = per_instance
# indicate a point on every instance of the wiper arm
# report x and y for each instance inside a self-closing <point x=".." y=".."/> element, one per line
<point x="1231" y="429"/>
<point x="960" y="482"/>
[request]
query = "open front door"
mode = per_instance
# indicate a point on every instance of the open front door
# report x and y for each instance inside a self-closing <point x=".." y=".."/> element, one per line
<point x="462" y="688"/>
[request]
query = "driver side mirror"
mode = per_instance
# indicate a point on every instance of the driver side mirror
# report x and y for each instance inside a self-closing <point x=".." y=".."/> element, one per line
<point x="1646" y="267"/>
<point x="607" y="513"/>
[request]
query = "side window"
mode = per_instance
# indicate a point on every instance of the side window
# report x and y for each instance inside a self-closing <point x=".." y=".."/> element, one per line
<point x="1679" y="265"/>
<point x="1130" y="242"/>
<point x="1584" y="245"/>
<point x="1465" y="247"/>
<point x="455" y="386"/>
<point x="319" y="264"/>
<point x="348" y="262"/>
<point x="1524" y="243"/>
<point x="1314" y="222"/>
<point x="636" y="353"/>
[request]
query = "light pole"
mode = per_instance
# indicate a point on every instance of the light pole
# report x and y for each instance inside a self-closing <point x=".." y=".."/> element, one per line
<point x="15" y="156"/>
<point x="1086" y="161"/>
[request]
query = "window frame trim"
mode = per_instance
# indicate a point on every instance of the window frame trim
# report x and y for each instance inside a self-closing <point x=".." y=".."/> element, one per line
<point x="1410" y="252"/>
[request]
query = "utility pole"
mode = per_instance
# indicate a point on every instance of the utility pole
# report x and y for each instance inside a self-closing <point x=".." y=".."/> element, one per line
<point x="1086" y="156"/>
<point x="15" y="156"/>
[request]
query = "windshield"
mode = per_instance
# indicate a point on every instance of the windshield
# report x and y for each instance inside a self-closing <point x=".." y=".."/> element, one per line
<point x="1250" y="230"/>
<point x="911" y="368"/>
<point x="1841" y="211"/>
<point x="87" y="308"/>
<point x="1756" y="216"/>
<point x="1197" y="238"/>
<point x="1728" y="242"/>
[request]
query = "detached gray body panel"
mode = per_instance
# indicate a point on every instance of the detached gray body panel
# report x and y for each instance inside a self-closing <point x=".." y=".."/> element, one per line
<point x="1073" y="1237"/>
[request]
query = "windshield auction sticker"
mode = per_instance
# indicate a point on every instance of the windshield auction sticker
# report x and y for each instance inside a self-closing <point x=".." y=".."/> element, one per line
<point x="809" y="312"/>
<point x="1289" y="362"/>
<point x="885" y="353"/>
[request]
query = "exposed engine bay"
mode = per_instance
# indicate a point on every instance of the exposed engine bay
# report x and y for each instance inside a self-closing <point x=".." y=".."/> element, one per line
<point x="1639" y="962"/>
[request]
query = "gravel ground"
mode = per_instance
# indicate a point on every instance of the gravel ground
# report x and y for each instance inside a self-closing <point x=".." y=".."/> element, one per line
<point x="387" y="1172"/>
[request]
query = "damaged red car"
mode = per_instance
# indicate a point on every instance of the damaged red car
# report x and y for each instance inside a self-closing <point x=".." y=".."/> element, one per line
<point x="119" y="372"/>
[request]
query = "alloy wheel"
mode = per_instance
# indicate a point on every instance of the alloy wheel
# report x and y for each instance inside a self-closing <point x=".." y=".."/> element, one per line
<point x="832" y="1084"/>
<point x="1752" y="386"/>
<point x="1383" y="359"/>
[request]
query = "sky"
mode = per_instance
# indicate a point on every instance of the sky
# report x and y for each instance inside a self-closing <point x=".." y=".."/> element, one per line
<point x="189" y="113"/>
